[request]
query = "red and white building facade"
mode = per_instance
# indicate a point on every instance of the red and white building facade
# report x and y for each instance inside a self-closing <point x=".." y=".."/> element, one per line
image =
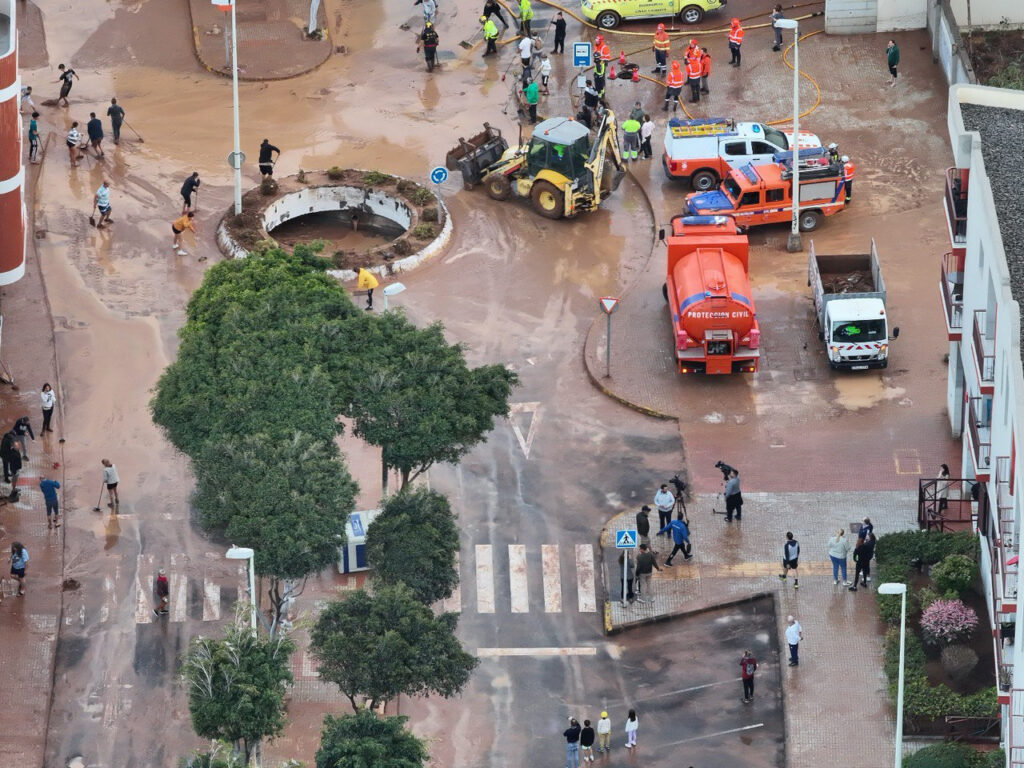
<point x="13" y="216"/>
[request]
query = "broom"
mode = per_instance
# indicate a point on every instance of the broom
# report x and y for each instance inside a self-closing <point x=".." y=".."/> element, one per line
<point x="467" y="44"/>
<point x="137" y="134"/>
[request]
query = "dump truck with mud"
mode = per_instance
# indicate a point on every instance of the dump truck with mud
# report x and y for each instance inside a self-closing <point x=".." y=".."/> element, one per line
<point x="849" y="303"/>
<point x="563" y="169"/>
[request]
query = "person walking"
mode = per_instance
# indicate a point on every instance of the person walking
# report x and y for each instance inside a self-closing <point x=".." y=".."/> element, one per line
<point x="33" y="138"/>
<point x="862" y="555"/>
<point x="631" y="143"/>
<point x="188" y="188"/>
<point x="705" y="70"/>
<point x="531" y="92"/>
<point x="490" y="35"/>
<point x="49" y="487"/>
<point x="748" y="666"/>
<point x="48" y="399"/>
<point x="429" y="39"/>
<point x="733" y="497"/>
<point x="791" y="559"/>
<point x="604" y="733"/>
<point x="116" y="114"/>
<point x="163" y="594"/>
<point x="13" y="465"/>
<point x="19" y="559"/>
<point x="735" y="41"/>
<point x="66" y="78"/>
<point x="110" y="479"/>
<point x="492" y="7"/>
<point x="848" y="169"/>
<point x="942" y="489"/>
<point x="794" y="634"/>
<point x="632" y="724"/>
<point x="22" y="428"/>
<point x="673" y="87"/>
<point x="661" y="46"/>
<point x="572" y="744"/>
<point x="94" y="130"/>
<point x="559" y="22"/>
<point x="429" y="10"/>
<point x="693" y="77"/>
<point x="665" y="502"/>
<point x="646" y="134"/>
<point x="545" y="73"/>
<point x="10" y="455"/>
<point x="774" y="16"/>
<point x="680" y="538"/>
<point x="892" y="58"/>
<point x="643" y="524"/>
<point x="630" y="568"/>
<point x="587" y="742"/>
<point x="102" y="203"/>
<point x="525" y="17"/>
<point x="266" y="159"/>
<point x="838" y="551"/>
<point x="178" y="226"/>
<point x="73" y="140"/>
<point x="646" y="564"/>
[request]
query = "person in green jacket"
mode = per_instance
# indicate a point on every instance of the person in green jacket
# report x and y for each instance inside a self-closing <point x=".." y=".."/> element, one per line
<point x="532" y="95"/>
<point x="525" y="17"/>
<point x="490" y="35"/>
<point x="631" y="139"/>
<point x="892" y="57"/>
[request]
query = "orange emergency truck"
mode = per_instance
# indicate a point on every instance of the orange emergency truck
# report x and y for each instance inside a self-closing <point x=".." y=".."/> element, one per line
<point x="762" y="194"/>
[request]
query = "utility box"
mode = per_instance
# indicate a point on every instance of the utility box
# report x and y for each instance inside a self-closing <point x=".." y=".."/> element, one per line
<point x="352" y="556"/>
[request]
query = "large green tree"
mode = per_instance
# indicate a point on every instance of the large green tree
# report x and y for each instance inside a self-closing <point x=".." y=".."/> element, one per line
<point x="389" y="643"/>
<point x="417" y="399"/>
<point x="236" y="687"/>
<point x="414" y="540"/>
<point x="364" y="740"/>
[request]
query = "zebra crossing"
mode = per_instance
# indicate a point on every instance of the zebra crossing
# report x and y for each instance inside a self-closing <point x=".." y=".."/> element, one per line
<point x="509" y="570"/>
<point x="180" y="573"/>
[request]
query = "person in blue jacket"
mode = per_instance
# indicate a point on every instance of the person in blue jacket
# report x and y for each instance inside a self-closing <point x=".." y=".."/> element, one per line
<point x="680" y="537"/>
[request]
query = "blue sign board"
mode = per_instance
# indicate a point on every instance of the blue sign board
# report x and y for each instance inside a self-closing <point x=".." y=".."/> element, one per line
<point x="439" y="175"/>
<point x="581" y="55"/>
<point x="356" y="521"/>
<point x="625" y="539"/>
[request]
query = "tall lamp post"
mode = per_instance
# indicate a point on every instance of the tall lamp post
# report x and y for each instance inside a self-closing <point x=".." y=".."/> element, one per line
<point x="899" y="589"/>
<point x="236" y="158"/>
<point x="244" y="553"/>
<point x="794" y="244"/>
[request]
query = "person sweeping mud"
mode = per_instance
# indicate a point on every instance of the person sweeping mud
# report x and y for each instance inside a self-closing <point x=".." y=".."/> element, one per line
<point x="66" y="78"/>
<point x="178" y="227"/>
<point x="428" y="39"/>
<point x="267" y="159"/>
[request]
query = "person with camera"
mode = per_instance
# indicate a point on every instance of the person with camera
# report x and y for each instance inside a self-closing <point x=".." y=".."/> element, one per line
<point x="665" y="501"/>
<point x="733" y="497"/>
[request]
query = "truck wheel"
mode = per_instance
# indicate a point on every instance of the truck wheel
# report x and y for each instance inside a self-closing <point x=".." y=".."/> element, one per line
<point x="499" y="187"/>
<point x="664" y="291"/>
<point x="702" y="181"/>
<point x="548" y="200"/>
<point x="691" y="14"/>
<point x="608" y="20"/>
<point x="809" y="221"/>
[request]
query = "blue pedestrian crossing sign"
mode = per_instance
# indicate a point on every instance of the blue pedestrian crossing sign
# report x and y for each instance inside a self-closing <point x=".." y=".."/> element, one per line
<point x="625" y="539"/>
<point x="439" y="175"/>
<point x="581" y="54"/>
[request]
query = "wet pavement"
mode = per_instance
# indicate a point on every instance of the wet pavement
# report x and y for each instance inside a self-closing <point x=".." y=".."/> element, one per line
<point x="515" y="288"/>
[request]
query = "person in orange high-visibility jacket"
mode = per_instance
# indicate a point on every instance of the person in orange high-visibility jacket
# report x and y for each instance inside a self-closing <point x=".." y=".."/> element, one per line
<point x="692" y="49"/>
<point x="735" y="41"/>
<point x="673" y="86"/>
<point x="693" y="78"/>
<point x="661" y="46"/>
<point x="365" y="281"/>
<point x="705" y="70"/>
<point x="601" y="49"/>
<point x="848" y="169"/>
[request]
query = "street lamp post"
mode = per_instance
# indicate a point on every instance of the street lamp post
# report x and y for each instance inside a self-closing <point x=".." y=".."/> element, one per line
<point x="244" y="553"/>
<point x="899" y="589"/>
<point x="793" y="244"/>
<point x="391" y="290"/>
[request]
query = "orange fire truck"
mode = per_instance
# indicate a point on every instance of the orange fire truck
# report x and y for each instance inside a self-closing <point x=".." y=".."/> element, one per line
<point x="763" y="194"/>
<point x="706" y="286"/>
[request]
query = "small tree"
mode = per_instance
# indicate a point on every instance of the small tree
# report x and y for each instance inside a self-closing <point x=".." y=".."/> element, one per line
<point x="954" y="574"/>
<point x="389" y="643"/>
<point x="415" y="397"/>
<point x="364" y="740"/>
<point x="236" y="687"/>
<point x="947" y="621"/>
<point x="414" y="540"/>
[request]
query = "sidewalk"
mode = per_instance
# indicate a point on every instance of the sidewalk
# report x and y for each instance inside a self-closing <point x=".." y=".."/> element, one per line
<point x="841" y="655"/>
<point x="271" y="38"/>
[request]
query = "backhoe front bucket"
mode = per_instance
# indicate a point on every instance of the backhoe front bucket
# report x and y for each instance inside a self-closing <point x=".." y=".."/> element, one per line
<point x="474" y="156"/>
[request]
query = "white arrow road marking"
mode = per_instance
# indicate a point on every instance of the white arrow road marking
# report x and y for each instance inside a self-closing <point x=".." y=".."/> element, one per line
<point x="531" y="408"/>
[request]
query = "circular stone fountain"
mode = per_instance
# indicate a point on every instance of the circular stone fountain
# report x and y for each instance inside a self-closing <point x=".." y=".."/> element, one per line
<point x="366" y="219"/>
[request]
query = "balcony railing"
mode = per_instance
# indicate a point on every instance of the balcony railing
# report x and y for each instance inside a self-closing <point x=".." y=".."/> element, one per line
<point x="984" y="351"/>
<point x="1003" y="562"/>
<point x="956" y="206"/>
<point x="1005" y="513"/>
<point x="1015" y="731"/>
<point x="951" y="285"/>
<point x="945" y="504"/>
<point x="979" y="428"/>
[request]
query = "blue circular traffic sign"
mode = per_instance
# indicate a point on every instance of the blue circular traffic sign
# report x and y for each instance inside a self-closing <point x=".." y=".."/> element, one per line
<point x="439" y="175"/>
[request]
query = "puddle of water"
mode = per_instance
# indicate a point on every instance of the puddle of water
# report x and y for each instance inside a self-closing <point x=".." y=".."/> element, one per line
<point x="857" y="392"/>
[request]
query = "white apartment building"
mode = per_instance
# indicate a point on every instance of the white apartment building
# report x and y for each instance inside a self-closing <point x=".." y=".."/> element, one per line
<point x="981" y="285"/>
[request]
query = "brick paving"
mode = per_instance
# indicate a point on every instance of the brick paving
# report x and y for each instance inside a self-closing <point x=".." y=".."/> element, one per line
<point x="841" y="655"/>
<point x="271" y="41"/>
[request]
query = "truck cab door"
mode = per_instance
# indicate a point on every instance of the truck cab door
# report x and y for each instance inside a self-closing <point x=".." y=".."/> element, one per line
<point x="762" y="151"/>
<point x="734" y="153"/>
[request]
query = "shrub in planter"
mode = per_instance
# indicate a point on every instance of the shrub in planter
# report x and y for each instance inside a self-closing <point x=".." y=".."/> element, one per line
<point x="301" y="176"/>
<point x="376" y="178"/>
<point x="947" y="755"/>
<point x="421" y="196"/>
<point x="402" y="247"/>
<point x="959" y="661"/>
<point x="423" y="231"/>
<point x="947" y="621"/>
<point x="334" y="173"/>
<point x="404" y="185"/>
<point x="907" y="548"/>
<point x="429" y="214"/>
<point x="925" y="596"/>
<point x="955" y="573"/>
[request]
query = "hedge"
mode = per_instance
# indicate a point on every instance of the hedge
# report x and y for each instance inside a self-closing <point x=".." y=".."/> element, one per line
<point x="955" y="755"/>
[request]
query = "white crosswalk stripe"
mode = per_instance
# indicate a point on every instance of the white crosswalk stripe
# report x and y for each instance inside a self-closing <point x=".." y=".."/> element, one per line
<point x="552" y="578"/>
<point x="454" y="603"/>
<point x="517" y="578"/>
<point x="179" y="573"/>
<point x="484" y="578"/>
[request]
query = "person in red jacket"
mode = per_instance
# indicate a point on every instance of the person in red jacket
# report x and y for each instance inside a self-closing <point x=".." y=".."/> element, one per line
<point x="735" y="41"/>
<point x="705" y="70"/>
<point x="673" y="87"/>
<point x="693" y="78"/>
<point x="848" y="168"/>
<point x="748" y="666"/>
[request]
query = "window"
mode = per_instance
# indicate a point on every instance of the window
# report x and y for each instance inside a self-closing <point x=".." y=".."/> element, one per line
<point x="750" y="198"/>
<point x="736" y="148"/>
<point x="761" y="148"/>
<point x="732" y="189"/>
<point x="775" y="195"/>
<point x="776" y="137"/>
<point x="857" y="332"/>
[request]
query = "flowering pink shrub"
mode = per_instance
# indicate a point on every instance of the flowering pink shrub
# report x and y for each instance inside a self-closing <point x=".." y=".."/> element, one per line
<point x="947" y="621"/>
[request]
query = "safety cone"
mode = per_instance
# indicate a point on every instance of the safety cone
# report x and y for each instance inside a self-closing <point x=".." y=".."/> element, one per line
<point x="622" y="57"/>
<point x="611" y="72"/>
<point x="636" y="75"/>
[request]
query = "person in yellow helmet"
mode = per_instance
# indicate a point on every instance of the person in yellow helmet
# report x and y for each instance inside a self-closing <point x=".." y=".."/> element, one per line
<point x="525" y="17"/>
<point x="490" y="35"/>
<point x="365" y="281"/>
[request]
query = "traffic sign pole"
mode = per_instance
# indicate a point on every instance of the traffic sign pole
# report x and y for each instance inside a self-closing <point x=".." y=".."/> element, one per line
<point x="625" y="571"/>
<point x="608" y="305"/>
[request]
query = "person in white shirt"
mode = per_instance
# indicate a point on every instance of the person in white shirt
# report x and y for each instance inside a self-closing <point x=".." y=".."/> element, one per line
<point x="74" y="138"/>
<point x="665" y="501"/>
<point x="26" y="98"/>
<point x="545" y="73"/>
<point x="110" y="479"/>
<point x="102" y="203"/>
<point x="526" y="55"/>
<point x="604" y="733"/>
<point x="49" y="399"/>
<point x="646" y="132"/>
<point x="631" y="726"/>
<point x="794" y="634"/>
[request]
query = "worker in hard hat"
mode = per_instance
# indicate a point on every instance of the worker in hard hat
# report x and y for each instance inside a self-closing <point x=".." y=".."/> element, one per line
<point x="833" y="154"/>
<point x="600" y="72"/>
<point x="525" y="17"/>
<point x="692" y="50"/>
<point x="604" y="733"/>
<point x="673" y="86"/>
<point x="735" y="41"/>
<point x="848" y="168"/>
<point x="365" y="281"/>
<point x="429" y="39"/>
<point x="661" y="47"/>
<point x="490" y="35"/>
<point x="693" y="77"/>
<point x="601" y="49"/>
